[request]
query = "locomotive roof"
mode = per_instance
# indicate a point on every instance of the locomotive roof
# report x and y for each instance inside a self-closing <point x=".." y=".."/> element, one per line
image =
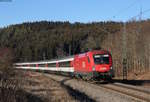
<point x="100" y="51"/>
<point x="94" y="51"/>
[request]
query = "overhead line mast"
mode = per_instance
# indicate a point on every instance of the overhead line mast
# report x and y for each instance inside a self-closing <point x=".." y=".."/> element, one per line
<point x="124" y="52"/>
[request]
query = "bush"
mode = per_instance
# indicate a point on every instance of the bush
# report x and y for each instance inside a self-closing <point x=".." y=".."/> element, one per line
<point x="8" y="86"/>
<point x="6" y="62"/>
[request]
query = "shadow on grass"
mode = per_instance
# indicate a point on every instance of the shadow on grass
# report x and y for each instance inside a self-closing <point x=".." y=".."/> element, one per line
<point x="77" y="95"/>
<point x="133" y="82"/>
<point x="11" y="95"/>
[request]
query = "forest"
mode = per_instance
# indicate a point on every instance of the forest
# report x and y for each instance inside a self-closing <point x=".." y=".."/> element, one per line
<point x="46" y="40"/>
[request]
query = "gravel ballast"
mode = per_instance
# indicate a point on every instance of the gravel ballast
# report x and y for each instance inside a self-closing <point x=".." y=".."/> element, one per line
<point x="94" y="92"/>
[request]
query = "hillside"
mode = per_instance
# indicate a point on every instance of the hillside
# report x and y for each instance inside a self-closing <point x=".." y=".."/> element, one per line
<point x="47" y="40"/>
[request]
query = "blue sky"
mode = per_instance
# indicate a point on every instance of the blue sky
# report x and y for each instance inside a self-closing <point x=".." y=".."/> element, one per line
<point x="85" y="11"/>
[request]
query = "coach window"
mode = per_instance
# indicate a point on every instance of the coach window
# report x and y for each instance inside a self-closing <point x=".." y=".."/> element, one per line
<point x="33" y="65"/>
<point x="51" y="64"/>
<point x="64" y="64"/>
<point x="41" y="65"/>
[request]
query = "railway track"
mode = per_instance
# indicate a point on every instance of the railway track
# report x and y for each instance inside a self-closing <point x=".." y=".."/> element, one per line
<point x="143" y="95"/>
<point x="129" y="90"/>
<point x="132" y="88"/>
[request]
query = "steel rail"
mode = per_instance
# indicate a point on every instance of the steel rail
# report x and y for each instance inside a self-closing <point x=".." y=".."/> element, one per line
<point x="100" y="84"/>
<point x="128" y="93"/>
<point x="132" y="88"/>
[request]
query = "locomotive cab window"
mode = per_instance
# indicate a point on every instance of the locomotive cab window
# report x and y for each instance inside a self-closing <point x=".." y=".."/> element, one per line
<point x="101" y="59"/>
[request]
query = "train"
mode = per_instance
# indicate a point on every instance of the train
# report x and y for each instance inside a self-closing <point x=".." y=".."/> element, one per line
<point x="96" y="64"/>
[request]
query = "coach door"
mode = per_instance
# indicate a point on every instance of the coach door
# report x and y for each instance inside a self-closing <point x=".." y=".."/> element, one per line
<point x="88" y="63"/>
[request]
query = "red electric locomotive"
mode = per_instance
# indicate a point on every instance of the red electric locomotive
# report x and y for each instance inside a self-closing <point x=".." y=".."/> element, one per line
<point x="93" y="64"/>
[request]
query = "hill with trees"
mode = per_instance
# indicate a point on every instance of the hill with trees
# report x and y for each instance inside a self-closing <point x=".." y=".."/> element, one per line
<point x="47" y="40"/>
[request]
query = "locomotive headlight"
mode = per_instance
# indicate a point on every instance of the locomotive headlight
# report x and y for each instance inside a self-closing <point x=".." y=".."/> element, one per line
<point x="111" y="67"/>
<point x="93" y="68"/>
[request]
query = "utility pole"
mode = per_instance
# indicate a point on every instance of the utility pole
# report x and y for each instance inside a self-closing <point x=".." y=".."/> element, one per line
<point x="149" y="55"/>
<point x="140" y="16"/>
<point x="140" y="20"/>
<point x="124" y="52"/>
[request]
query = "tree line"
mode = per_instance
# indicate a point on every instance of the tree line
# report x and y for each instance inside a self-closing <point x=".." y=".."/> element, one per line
<point x="33" y="41"/>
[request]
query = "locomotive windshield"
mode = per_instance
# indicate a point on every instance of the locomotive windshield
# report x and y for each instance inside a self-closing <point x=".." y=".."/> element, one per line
<point x="101" y="59"/>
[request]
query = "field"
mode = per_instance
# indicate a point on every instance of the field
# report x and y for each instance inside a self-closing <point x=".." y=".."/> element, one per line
<point x="27" y="86"/>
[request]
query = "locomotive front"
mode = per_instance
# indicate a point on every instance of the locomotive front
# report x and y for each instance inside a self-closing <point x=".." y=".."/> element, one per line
<point x="102" y="65"/>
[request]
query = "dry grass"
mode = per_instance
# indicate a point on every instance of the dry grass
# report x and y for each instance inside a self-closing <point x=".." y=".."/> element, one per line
<point x="9" y="88"/>
<point x="45" y="88"/>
